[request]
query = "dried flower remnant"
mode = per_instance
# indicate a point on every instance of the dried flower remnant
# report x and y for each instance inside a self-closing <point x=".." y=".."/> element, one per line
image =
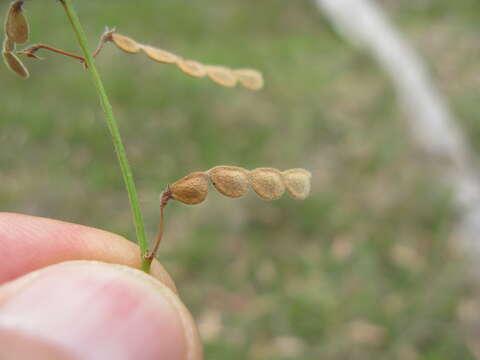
<point x="192" y="189"/>
<point x="16" y="24"/>
<point x="249" y="78"/>
<point x="267" y="183"/>
<point x="17" y="32"/>
<point x="159" y="55"/>
<point x="230" y="181"/>
<point x="297" y="182"/>
<point x="15" y="65"/>
<point x="125" y="43"/>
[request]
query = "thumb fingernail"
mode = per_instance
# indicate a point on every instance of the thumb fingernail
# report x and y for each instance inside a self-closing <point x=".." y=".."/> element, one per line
<point x="92" y="310"/>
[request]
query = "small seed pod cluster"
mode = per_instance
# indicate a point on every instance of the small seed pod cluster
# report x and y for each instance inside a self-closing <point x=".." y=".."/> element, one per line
<point x="16" y="32"/>
<point x="248" y="78"/>
<point x="234" y="182"/>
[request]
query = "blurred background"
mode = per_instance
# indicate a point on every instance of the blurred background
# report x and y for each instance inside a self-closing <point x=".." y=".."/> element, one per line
<point x="366" y="268"/>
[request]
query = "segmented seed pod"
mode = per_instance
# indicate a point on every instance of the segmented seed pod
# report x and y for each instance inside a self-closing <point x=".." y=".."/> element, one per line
<point x="125" y="43"/>
<point x="192" y="68"/>
<point x="249" y="78"/>
<point x="222" y="76"/>
<point x="16" y="24"/>
<point x="159" y="55"/>
<point x="14" y="64"/>
<point x="192" y="189"/>
<point x="230" y="181"/>
<point x="267" y="183"/>
<point x="8" y="45"/>
<point x="297" y="182"/>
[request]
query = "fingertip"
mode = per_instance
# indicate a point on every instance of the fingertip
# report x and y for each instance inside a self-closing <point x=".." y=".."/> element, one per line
<point x="28" y="243"/>
<point x="97" y="311"/>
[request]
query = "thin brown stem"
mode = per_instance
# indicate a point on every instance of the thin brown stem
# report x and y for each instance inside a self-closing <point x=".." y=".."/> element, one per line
<point x="30" y="52"/>
<point x="166" y="197"/>
<point x="106" y="37"/>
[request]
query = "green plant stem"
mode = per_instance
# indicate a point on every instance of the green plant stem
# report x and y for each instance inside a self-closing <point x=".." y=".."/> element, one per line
<point x="114" y="131"/>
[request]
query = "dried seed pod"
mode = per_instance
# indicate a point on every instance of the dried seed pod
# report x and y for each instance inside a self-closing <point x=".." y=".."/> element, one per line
<point x="14" y="64"/>
<point x="297" y="182"/>
<point x="192" y="68"/>
<point x="8" y="45"/>
<point x="125" y="43"/>
<point x="222" y="76"/>
<point x="267" y="183"/>
<point x="16" y="25"/>
<point x="159" y="55"/>
<point x="230" y="181"/>
<point x="192" y="189"/>
<point x="251" y="79"/>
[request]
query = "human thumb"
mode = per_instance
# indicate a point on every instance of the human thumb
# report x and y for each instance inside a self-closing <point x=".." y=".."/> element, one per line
<point x="92" y="310"/>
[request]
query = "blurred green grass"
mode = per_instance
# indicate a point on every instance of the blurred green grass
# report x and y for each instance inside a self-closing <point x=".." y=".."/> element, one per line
<point x="364" y="269"/>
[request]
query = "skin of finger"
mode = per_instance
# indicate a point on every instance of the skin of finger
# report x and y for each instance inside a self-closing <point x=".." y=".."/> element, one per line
<point x="121" y="294"/>
<point x="21" y="347"/>
<point x="36" y="242"/>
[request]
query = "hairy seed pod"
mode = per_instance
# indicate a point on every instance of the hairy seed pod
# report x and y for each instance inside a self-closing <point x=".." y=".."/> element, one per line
<point x="8" y="45"/>
<point x="125" y="43"/>
<point x="222" y="76"/>
<point x="159" y="55"/>
<point x="267" y="183"/>
<point x="16" y="25"/>
<point x="297" y="182"/>
<point x="192" y="68"/>
<point x="251" y="79"/>
<point x="192" y="189"/>
<point x="230" y="181"/>
<point x="14" y="64"/>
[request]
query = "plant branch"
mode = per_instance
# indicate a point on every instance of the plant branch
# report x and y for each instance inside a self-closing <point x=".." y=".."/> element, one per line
<point x="114" y="131"/>
<point x="32" y="50"/>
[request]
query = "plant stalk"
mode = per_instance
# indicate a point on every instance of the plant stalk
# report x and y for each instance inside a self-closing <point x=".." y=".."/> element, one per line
<point x="114" y="132"/>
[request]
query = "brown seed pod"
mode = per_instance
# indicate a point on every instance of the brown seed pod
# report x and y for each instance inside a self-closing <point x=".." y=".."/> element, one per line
<point x="192" y="68"/>
<point x="159" y="55"/>
<point x="251" y="79"/>
<point x="267" y="183"/>
<point x="16" y="25"/>
<point x="230" y="181"/>
<point x="125" y="43"/>
<point x="297" y="182"/>
<point x="222" y="76"/>
<point x="8" y="45"/>
<point x="192" y="189"/>
<point x="14" y="64"/>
